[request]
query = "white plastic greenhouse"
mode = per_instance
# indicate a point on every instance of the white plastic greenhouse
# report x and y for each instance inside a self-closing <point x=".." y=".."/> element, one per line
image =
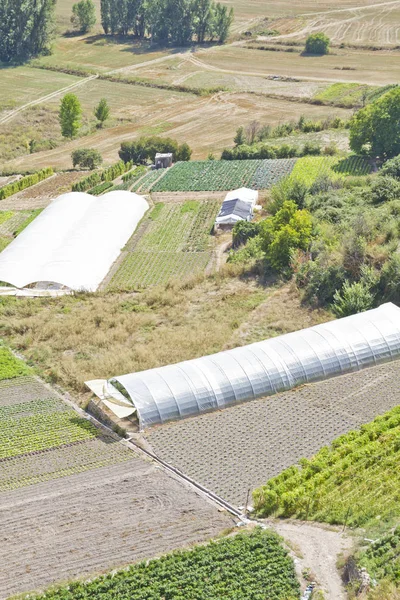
<point x="73" y="242"/>
<point x="223" y="379"/>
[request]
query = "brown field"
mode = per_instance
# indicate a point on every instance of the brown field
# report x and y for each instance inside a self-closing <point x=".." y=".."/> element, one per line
<point x="241" y="447"/>
<point x="83" y="508"/>
<point x="40" y="195"/>
<point x="206" y="124"/>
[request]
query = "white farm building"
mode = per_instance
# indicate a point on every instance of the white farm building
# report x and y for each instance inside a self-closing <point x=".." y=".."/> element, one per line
<point x="72" y="244"/>
<point x="237" y="206"/>
<point x="261" y="369"/>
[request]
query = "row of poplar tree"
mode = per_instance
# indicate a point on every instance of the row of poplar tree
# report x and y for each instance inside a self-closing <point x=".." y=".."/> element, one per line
<point x="176" y="21"/>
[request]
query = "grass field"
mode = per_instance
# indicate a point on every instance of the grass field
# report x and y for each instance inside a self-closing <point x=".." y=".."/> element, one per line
<point x="172" y="242"/>
<point x="236" y="568"/>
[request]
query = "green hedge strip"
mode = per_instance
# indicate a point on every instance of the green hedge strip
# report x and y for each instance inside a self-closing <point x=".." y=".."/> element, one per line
<point x="25" y="182"/>
<point x="96" y="178"/>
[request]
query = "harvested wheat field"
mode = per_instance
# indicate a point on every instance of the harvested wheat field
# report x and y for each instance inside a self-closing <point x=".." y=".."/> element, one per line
<point x="75" y="501"/>
<point x="240" y="448"/>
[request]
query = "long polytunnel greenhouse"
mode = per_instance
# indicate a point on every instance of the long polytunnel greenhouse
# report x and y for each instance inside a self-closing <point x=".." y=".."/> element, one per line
<point x="73" y="242"/>
<point x="264" y="368"/>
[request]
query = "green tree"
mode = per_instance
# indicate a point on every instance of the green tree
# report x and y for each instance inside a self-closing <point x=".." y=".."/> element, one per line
<point x="375" y="129"/>
<point x="102" y="112"/>
<point x="317" y="43"/>
<point x="86" y="158"/>
<point x="184" y="152"/>
<point x="70" y="115"/>
<point x="353" y="298"/>
<point x="222" y="20"/>
<point x="240" y="138"/>
<point x="26" y="28"/>
<point x="391" y="168"/>
<point x="84" y="15"/>
<point x="282" y="234"/>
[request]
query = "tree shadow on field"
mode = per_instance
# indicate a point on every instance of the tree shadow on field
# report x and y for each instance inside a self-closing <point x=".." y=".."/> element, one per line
<point x="129" y="43"/>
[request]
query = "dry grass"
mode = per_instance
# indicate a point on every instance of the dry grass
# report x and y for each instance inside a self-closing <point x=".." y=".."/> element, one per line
<point x="77" y="338"/>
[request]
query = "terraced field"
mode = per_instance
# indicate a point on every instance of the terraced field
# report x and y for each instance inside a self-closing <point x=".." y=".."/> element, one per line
<point x="240" y="448"/>
<point x="173" y="241"/>
<point x="58" y="474"/>
<point x="198" y="176"/>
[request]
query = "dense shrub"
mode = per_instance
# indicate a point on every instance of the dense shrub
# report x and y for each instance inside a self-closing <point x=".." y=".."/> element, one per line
<point x="99" y="189"/>
<point x="243" y="231"/>
<point x="317" y="43"/>
<point x="87" y="183"/>
<point x="320" y="281"/>
<point x="116" y="170"/>
<point x="353" y="298"/>
<point x="25" y="182"/>
<point x="263" y="151"/>
<point x="384" y="189"/>
<point x="391" y="168"/>
<point x="146" y="148"/>
<point x="86" y="158"/>
<point x="107" y="175"/>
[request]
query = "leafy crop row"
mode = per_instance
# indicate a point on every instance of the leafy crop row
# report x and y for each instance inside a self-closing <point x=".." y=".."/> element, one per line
<point x="244" y="567"/>
<point x="99" y="189"/>
<point x="173" y="242"/>
<point x="354" y="481"/>
<point x="382" y="558"/>
<point x="134" y="174"/>
<point x="25" y="182"/>
<point x="10" y="366"/>
<point x="94" y="179"/>
<point x="221" y="175"/>
<point x="145" y="185"/>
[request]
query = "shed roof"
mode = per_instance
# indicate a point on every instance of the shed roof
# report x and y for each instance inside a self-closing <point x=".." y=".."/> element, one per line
<point x="220" y="380"/>
<point x="236" y="208"/>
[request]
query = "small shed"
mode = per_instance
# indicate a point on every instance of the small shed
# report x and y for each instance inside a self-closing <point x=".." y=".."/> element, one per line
<point x="233" y="211"/>
<point x="244" y="194"/>
<point x="163" y="161"/>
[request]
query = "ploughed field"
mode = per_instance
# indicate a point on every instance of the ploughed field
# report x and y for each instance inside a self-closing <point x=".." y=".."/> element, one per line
<point x="172" y="241"/>
<point x="241" y="447"/>
<point x="76" y="501"/>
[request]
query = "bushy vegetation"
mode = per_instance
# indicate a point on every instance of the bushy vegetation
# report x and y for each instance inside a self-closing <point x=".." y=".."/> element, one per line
<point x="263" y="151"/>
<point x="355" y="480"/>
<point x="86" y="158"/>
<point x="10" y="366"/>
<point x="243" y="567"/>
<point x="83" y="15"/>
<point x="25" y="182"/>
<point x="350" y="94"/>
<point x="146" y="148"/>
<point x="382" y="557"/>
<point x="375" y="130"/>
<point x="166" y="21"/>
<point x="94" y="179"/>
<point x="26" y="28"/>
<point x="101" y="188"/>
<point x="317" y="43"/>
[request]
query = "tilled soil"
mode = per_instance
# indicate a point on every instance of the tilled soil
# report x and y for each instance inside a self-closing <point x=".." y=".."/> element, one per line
<point x="238" y="449"/>
<point x="41" y="194"/>
<point x="95" y="521"/>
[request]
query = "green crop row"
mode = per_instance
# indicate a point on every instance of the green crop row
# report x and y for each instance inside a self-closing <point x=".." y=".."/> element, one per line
<point x="97" y="177"/>
<point x="99" y="189"/>
<point x="25" y="182"/>
<point x="382" y="558"/>
<point x="242" y="567"/>
<point x="355" y="481"/>
<point x="10" y="366"/>
<point x="147" y="182"/>
<point x="134" y="174"/>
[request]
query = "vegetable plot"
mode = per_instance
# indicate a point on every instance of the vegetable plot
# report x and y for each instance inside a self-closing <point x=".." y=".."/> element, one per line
<point x="353" y="481"/>
<point x="12" y="223"/>
<point x="309" y="168"/>
<point x="244" y="567"/>
<point x="10" y="366"/>
<point x="172" y="241"/>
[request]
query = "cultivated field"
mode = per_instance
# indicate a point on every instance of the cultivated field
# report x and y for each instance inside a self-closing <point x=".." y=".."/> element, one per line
<point x="173" y="241"/>
<point x="241" y="447"/>
<point x="59" y="473"/>
<point x="40" y="195"/>
<point x="12" y="223"/>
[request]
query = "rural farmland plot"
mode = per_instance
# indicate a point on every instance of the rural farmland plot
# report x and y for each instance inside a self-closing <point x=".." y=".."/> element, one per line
<point x="172" y="242"/>
<point x="221" y="175"/>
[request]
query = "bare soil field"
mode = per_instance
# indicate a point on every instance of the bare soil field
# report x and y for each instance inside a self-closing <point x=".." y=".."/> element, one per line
<point x="240" y="448"/>
<point x="86" y="507"/>
<point x="41" y="194"/>
<point x="206" y="124"/>
<point x="95" y="521"/>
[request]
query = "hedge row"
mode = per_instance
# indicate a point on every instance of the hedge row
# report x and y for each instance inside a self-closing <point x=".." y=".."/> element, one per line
<point x="99" y="189"/>
<point x="96" y="178"/>
<point x="25" y="182"/>
<point x="264" y="151"/>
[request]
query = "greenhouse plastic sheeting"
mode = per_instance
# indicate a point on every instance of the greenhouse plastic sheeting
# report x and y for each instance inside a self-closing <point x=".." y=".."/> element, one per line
<point x="223" y="379"/>
<point x="74" y="241"/>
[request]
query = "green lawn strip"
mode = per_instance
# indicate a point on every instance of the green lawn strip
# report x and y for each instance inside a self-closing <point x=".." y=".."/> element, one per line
<point x="309" y="168"/>
<point x="241" y="567"/>
<point x="10" y="366"/>
<point x="356" y="480"/>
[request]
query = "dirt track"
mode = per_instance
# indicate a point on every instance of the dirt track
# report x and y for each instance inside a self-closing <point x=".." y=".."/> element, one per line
<point x="96" y="521"/>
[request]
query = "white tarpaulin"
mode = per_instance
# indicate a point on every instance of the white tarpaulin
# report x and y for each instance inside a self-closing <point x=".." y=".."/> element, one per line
<point x="74" y="241"/>
<point x="223" y="379"/>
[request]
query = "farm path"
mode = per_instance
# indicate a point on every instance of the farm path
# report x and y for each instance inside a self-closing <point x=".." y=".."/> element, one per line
<point x="352" y="8"/>
<point x="316" y="548"/>
<point x="63" y="90"/>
